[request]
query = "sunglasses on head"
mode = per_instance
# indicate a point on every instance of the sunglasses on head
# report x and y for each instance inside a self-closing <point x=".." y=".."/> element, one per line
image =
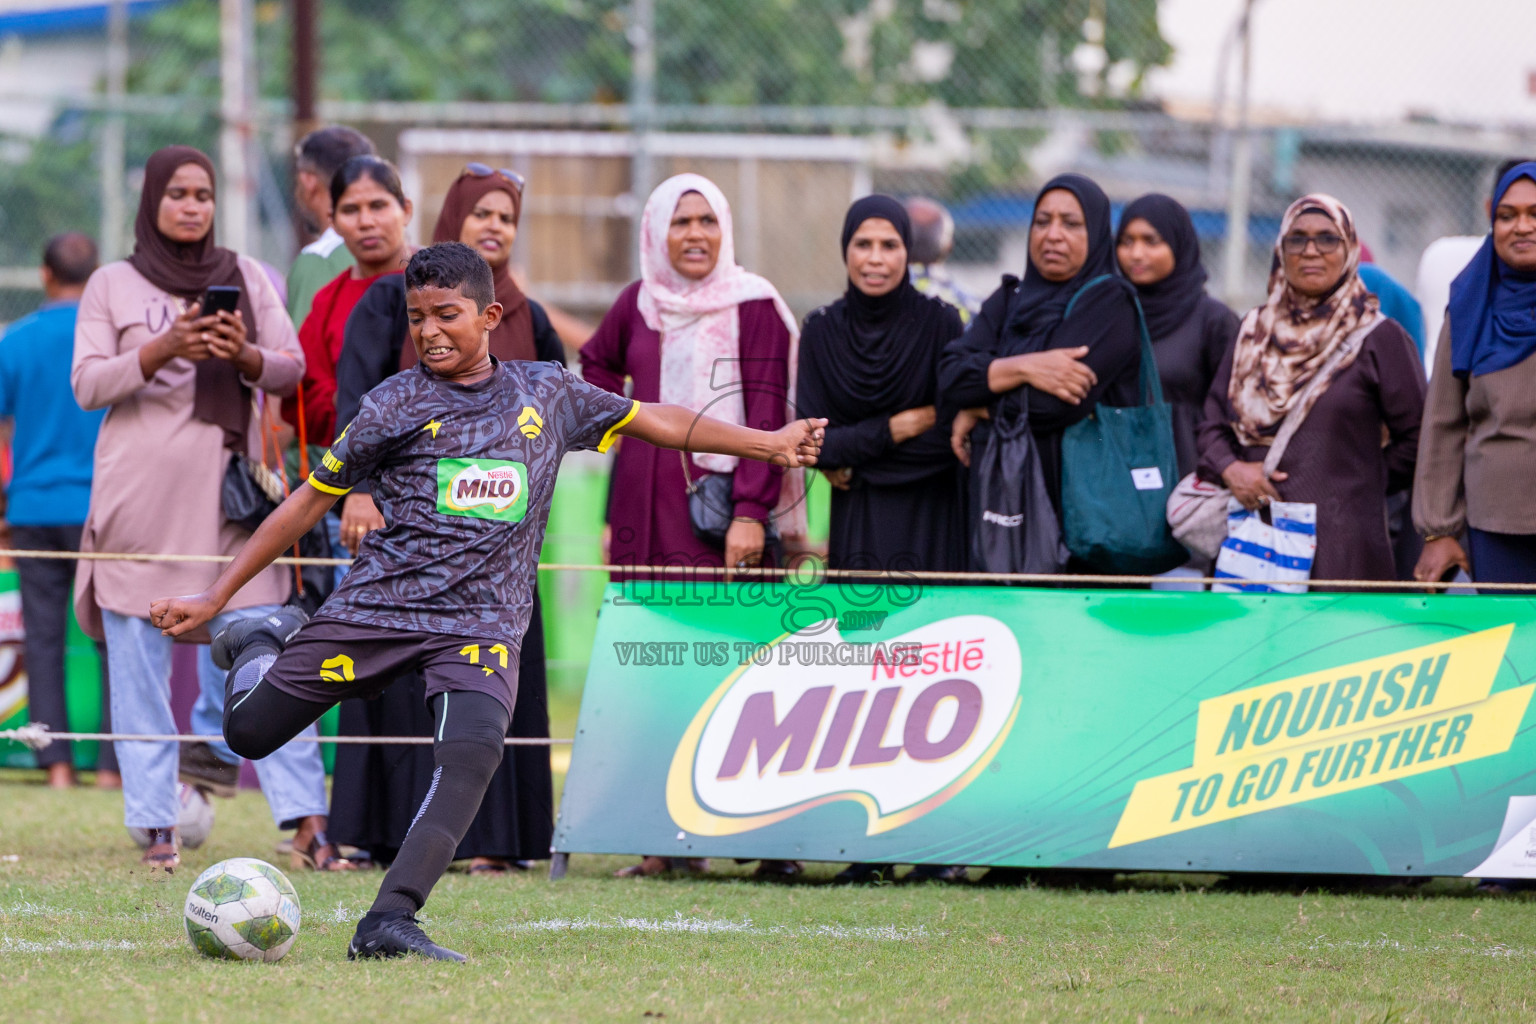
<point x="480" y="170"/>
<point x="1326" y="243"/>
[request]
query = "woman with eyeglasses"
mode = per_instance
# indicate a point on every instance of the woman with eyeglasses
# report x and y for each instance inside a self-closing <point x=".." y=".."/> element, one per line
<point x="377" y="789"/>
<point x="1360" y="428"/>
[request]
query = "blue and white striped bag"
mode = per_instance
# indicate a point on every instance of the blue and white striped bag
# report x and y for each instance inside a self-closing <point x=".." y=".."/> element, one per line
<point x="1278" y="552"/>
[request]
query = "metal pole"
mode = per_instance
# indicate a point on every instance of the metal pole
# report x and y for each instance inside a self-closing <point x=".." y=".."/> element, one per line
<point x="642" y="100"/>
<point x="558" y="862"/>
<point x="1238" y="194"/>
<point x="112" y="150"/>
<point x="302" y="85"/>
<point x="1221" y="134"/>
<point x="237" y="187"/>
<point x="305" y="65"/>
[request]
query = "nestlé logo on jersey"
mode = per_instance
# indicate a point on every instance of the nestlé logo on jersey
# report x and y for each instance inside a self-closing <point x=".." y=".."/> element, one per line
<point x="899" y="737"/>
<point x="482" y="489"/>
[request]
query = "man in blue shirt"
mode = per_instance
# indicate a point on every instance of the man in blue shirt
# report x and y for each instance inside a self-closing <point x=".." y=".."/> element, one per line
<point x="1397" y="301"/>
<point x="52" y="446"/>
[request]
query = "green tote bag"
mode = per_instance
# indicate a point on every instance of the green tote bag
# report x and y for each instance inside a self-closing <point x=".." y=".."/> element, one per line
<point x="1118" y="467"/>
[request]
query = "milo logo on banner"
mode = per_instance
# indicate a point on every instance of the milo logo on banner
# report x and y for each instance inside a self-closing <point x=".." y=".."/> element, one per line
<point x="482" y="489"/>
<point x="900" y="733"/>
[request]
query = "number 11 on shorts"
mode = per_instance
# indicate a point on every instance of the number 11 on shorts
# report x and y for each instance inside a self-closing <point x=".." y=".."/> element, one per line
<point x="472" y="652"/>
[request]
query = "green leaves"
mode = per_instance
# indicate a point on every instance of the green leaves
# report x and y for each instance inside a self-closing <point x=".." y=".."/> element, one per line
<point x="770" y="52"/>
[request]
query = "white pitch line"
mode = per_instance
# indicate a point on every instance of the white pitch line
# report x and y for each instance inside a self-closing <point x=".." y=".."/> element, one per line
<point x="1498" y="950"/>
<point x="26" y="908"/>
<point x="701" y="926"/>
<point x="343" y="914"/>
<point x="10" y="945"/>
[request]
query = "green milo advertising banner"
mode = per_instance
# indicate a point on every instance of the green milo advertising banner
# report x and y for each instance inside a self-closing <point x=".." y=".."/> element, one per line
<point x="1033" y="728"/>
<point x="82" y="681"/>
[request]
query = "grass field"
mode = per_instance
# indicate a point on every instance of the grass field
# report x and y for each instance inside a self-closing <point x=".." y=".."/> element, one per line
<point x="87" y="935"/>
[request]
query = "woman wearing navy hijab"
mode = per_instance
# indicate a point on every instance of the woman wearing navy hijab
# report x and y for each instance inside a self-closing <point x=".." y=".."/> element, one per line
<point x="869" y="362"/>
<point x="1478" y="441"/>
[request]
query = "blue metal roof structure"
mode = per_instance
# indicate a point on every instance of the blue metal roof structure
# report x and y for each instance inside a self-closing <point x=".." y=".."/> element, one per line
<point x="66" y="17"/>
<point x="1001" y="211"/>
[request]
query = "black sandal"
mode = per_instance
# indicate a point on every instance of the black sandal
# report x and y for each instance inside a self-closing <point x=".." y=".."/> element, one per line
<point x="775" y="870"/>
<point x="320" y="855"/>
<point x="492" y="866"/>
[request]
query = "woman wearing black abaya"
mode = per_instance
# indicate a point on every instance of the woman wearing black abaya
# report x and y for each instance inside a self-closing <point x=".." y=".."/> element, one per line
<point x="868" y="362"/>
<point x="377" y="789"/>
<point x="1159" y="253"/>
<point x="1022" y="338"/>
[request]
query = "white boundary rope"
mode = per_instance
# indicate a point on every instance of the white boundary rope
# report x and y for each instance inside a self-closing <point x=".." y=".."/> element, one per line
<point x="814" y="576"/>
<point x="38" y="736"/>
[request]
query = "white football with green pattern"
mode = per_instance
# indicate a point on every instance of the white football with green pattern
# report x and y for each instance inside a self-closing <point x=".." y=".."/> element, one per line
<point x="242" y="909"/>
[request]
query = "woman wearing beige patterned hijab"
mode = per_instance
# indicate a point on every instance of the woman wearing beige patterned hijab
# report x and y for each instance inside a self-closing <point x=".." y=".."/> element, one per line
<point x="1319" y="348"/>
<point x="1313" y="307"/>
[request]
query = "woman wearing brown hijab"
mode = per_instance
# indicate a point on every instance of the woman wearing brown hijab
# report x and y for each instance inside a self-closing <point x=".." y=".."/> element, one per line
<point x="1319" y="347"/>
<point x="178" y="387"/>
<point x="376" y="790"/>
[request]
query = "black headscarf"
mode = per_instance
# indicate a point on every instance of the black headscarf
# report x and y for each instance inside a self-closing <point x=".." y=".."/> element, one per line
<point x="185" y="270"/>
<point x="872" y="316"/>
<point x="1171" y="302"/>
<point x="879" y="350"/>
<point x="1038" y="305"/>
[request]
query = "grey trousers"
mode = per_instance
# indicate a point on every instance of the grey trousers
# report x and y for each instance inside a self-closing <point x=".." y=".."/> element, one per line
<point x="47" y="587"/>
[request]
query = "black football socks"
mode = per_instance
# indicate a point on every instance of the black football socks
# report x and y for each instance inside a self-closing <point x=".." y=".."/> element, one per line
<point x="470" y="733"/>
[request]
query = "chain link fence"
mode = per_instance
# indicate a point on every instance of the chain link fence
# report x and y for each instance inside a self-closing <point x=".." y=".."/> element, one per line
<point x="793" y="105"/>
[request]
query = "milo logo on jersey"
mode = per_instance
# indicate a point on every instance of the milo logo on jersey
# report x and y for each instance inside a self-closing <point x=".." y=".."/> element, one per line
<point x="482" y="489"/>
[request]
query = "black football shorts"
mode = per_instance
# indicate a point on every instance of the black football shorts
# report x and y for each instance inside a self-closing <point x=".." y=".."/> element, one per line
<point x="330" y="660"/>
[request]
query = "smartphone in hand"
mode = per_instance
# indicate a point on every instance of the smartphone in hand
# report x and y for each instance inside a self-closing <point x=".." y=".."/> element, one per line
<point x="220" y="298"/>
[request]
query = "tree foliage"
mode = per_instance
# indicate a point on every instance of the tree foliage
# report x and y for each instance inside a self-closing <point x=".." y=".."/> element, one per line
<point x="714" y="52"/>
<point x="961" y="53"/>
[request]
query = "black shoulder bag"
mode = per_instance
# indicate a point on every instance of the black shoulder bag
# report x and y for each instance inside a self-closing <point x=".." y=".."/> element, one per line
<point x="710" y="507"/>
<point x="1013" y="526"/>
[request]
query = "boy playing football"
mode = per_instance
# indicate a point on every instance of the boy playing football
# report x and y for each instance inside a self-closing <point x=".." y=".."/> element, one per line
<point x="463" y="451"/>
